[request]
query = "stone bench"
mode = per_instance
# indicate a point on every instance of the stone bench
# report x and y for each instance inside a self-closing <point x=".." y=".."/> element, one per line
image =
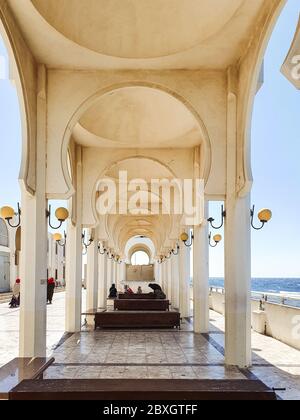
<point x="142" y="390"/>
<point x="19" y="369"/>
<point x="135" y="319"/>
<point x="141" y="305"/>
<point x="136" y="296"/>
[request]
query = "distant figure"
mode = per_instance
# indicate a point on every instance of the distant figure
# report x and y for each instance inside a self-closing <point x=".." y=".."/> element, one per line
<point x="113" y="293"/>
<point x="15" y="300"/>
<point x="50" y="290"/>
<point x="154" y="286"/>
<point x="159" y="294"/>
<point x="128" y="290"/>
<point x="139" y="290"/>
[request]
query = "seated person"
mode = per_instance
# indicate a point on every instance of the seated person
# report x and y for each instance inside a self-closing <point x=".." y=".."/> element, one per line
<point x="128" y="290"/>
<point x="113" y="293"/>
<point x="159" y="294"/>
<point x="139" y="291"/>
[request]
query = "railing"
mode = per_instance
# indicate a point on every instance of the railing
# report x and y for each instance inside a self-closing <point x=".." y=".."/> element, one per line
<point x="285" y="299"/>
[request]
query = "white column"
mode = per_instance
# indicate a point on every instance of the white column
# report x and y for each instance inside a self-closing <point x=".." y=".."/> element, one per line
<point x="164" y="277"/>
<point x="102" y="283"/>
<point x="123" y="272"/>
<point x="33" y="270"/>
<point x="169" y="280"/>
<point x="74" y="256"/>
<point x="237" y="248"/>
<point x="109" y="273"/>
<point x="116" y="271"/>
<point x="175" y="280"/>
<point x="238" y="282"/>
<point x="92" y="275"/>
<point x="184" y="286"/>
<point x="201" y="278"/>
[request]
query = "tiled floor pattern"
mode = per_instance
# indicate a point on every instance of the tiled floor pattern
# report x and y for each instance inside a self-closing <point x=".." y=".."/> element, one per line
<point x="153" y="354"/>
<point x="140" y="354"/>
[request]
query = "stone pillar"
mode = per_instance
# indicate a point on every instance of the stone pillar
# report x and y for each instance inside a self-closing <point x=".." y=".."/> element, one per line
<point x="237" y="245"/>
<point x="201" y="277"/>
<point x="238" y="283"/>
<point x="92" y="275"/>
<point x="33" y="270"/>
<point x="169" y="280"/>
<point x="164" y="277"/>
<point x="184" y="286"/>
<point x="175" y="280"/>
<point x="109" y="273"/>
<point x="122" y="274"/>
<point x="74" y="255"/>
<point x="102" y="283"/>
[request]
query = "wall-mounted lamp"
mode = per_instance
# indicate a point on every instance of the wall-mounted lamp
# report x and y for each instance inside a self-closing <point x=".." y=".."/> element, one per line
<point x="264" y="216"/>
<point x="8" y="213"/>
<point x="110" y="256"/>
<point x="176" y="251"/>
<point x="184" y="237"/>
<point x="117" y="259"/>
<point x="161" y="260"/>
<point x="86" y="245"/>
<point x="101" y="250"/>
<point x="217" y="239"/>
<point x="211" y="219"/>
<point x="58" y="238"/>
<point x="61" y="215"/>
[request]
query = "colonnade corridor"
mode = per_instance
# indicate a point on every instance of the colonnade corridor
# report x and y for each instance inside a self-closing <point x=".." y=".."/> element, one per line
<point x="136" y="118"/>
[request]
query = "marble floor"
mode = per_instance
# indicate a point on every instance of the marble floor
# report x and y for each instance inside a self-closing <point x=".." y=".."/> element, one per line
<point x="163" y="354"/>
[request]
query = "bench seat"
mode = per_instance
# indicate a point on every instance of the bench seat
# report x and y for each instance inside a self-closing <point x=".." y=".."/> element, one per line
<point x="141" y="305"/>
<point x="136" y="296"/>
<point x="19" y="369"/>
<point x="137" y="319"/>
<point x="142" y="390"/>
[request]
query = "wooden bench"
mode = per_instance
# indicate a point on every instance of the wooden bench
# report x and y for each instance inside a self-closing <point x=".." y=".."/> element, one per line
<point x="137" y="319"/>
<point x="141" y="305"/>
<point x="136" y="296"/>
<point x="142" y="389"/>
<point x="19" y="369"/>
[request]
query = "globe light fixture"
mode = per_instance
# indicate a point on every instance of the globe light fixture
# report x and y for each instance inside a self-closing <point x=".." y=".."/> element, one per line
<point x="264" y="216"/>
<point x="58" y="239"/>
<point x="184" y="237"/>
<point x="61" y="215"/>
<point x="8" y="213"/>
<point x="217" y="239"/>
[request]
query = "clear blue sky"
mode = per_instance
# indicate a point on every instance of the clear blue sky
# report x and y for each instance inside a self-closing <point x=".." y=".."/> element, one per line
<point x="275" y="159"/>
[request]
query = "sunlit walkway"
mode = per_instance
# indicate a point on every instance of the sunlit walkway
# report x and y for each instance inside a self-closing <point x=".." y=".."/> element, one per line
<point x="153" y="354"/>
<point x="9" y="328"/>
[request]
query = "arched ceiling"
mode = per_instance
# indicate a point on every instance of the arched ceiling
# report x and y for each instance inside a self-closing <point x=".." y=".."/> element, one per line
<point x="138" y="116"/>
<point x="138" y="28"/>
<point x="137" y="34"/>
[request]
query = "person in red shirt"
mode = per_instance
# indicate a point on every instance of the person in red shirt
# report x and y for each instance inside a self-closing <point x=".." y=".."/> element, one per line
<point x="50" y="289"/>
<point x="128" y="290"/>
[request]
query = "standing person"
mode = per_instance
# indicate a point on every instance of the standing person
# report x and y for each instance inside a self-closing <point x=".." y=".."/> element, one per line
<point x="50" y="290"/>
<point x="15" y="300"/>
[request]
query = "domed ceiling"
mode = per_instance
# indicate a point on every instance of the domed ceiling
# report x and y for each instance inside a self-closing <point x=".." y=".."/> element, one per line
<point x="138" y="117"/>
<point x="138" y="28"/>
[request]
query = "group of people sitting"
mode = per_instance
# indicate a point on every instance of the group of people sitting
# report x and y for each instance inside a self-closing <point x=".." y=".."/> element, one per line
<point x="157" y="291"/>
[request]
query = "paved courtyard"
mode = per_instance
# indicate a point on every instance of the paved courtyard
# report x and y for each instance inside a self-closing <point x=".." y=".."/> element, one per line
<point x="153" y="354"/>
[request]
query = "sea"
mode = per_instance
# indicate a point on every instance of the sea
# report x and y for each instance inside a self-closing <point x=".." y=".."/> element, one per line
<point x="282" y="286"/>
